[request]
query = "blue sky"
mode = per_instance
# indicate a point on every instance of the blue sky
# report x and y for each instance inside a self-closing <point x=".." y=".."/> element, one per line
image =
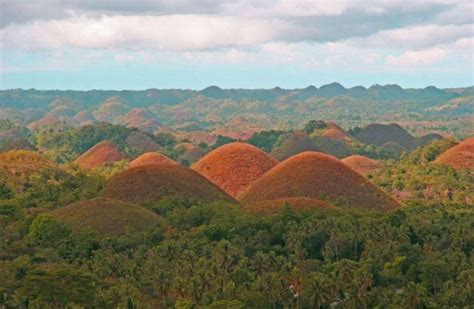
<point x="234" y="44"/>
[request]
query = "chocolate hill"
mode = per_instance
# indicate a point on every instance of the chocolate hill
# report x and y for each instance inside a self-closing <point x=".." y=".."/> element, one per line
<point x="101" y="154"/>
<point x="317" y="176"/>
<point x="460" y="156"/>
<point x="334" y="146"/>
<point x="152" y="182"/>
<point x="151" y="158"/>
<point x="291" y="144"/>
<point x="142" y="142"/>
<point x="362" y="165"/>
<point x="379" y="134"/>
<point x="234" y="166"/>
<point x="107" y="217"/>
<point x="336" y="134"/>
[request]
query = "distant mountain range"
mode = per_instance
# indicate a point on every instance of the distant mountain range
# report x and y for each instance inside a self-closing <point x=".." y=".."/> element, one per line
<point x="27" y="98"/>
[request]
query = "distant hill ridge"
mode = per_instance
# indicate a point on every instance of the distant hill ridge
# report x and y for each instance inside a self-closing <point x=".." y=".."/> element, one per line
<point x="25" y="98"/>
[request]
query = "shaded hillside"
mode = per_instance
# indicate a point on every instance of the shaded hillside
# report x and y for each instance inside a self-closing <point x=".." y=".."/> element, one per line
<point x="291" y="144"/>
<point x="107" y="217"/>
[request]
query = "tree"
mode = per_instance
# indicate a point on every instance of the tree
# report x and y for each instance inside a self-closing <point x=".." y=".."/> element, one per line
<point x="46" y="231"/>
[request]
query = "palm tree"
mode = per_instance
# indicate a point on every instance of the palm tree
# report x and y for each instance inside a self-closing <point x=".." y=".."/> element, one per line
<point x="414" y="296"/>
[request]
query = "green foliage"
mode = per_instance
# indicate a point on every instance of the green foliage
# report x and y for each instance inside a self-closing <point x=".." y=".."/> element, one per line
<point x="265" y="139"/>
<point x="313" y="125"/>
<point x="47" y="231"/>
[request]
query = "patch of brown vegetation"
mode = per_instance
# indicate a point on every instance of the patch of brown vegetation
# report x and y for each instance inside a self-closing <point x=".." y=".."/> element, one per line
<point x="362" y="165"/>
<point x="292" y="144"/>
<point x="317" y="176"/>
<point x="151" y="158"/>
<point x="99" y="155"/>
<point x="273" y="206"/>
<point x="154" y="181"/>
<point x="460" y="156"/>
<point x="107" y="217"/>
<point x="234" y="166"/>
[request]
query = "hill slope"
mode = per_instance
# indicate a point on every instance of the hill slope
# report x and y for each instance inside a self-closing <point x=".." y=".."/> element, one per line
<point x="153" y="182"/>
<point x="460" y="156"/>
<point x="318" y="176"/>
<point x="106" y="216"/>
<point x="100" y="154"/>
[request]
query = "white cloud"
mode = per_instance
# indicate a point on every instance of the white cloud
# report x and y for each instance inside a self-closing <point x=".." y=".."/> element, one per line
<point x="416" y="37"/>
<point x="169" y="32"/>
<point x="417" y="58"/>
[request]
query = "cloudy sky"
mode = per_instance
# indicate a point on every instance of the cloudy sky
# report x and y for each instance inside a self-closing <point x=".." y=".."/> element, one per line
<point x="139" y="44"/>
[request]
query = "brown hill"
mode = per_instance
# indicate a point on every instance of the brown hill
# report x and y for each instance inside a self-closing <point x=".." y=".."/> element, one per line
<point x="273" y="206"/>
<point x="155" y="181"/>
<point x="460" y="156"/>
<point x="83" y="118"/>
<point x="138" y="118"/>
<point x="234" y="166"/>
<point x="335" y="134"/>
<point x="107" y="217"/>
<point x="101" y="154"/>
<point x="45" y="121"/>
<point x="317" y="176"/>
<point x="334" y="146"/>
<point x="291" y="144"/>
<point x="110" y="109"/>
<point x="379" y="134"/>
<point x="151" y="158"/>
<point x="141" y="142"/>
<point x="362" y="165"/>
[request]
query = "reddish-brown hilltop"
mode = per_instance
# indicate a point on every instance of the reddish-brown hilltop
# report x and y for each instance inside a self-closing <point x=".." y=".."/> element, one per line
<point x="101" y="154"/>
<point x="234" y="166"/>
<point x="317" y="176"/>
<point x="460" y="156"/>
<point x="362" y="165"/>
<point x="336" y="134"/>
<point x="152" y="182"/>
<point x="151" y="158"/>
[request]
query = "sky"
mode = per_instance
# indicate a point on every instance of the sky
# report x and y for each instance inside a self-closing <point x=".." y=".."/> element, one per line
<point x="191" y="44"/>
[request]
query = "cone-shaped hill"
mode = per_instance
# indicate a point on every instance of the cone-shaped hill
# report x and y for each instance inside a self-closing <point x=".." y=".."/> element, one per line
<point x="379" y="134"/>
<point x="293" y="143"/>
<point x="362" y="165"/>
<point x="101" y="154"/>
<point x="336" y="134"/>
<point x="152" y="182"/>
<point x="234" y="166"/>
<point x="107" y="217"/>
<point x="151" y="158"/>
<point x="460" y="156"/>
<point x="317" y="176"/>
